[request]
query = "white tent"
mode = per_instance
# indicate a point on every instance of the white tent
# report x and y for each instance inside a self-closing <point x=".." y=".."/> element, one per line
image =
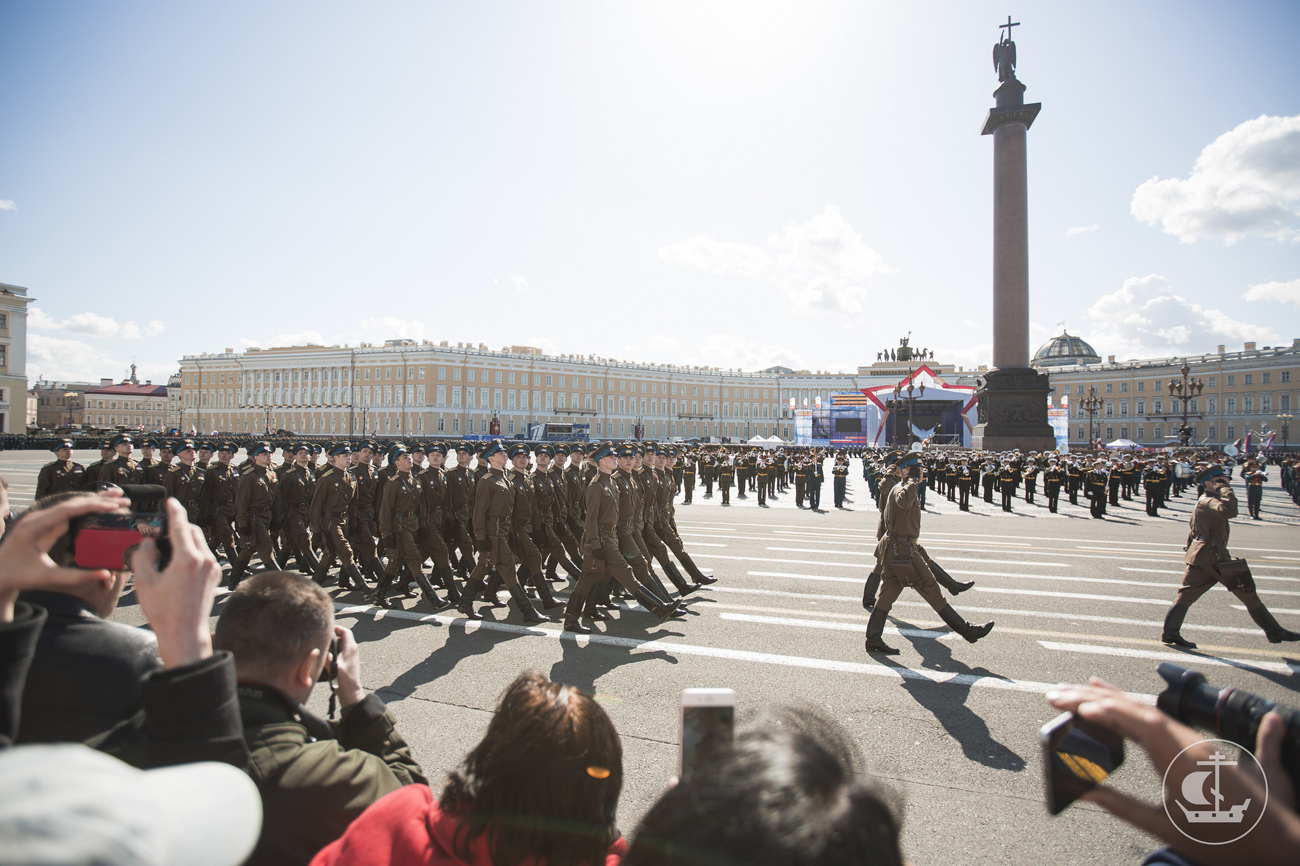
<point x="1123" y="445"/>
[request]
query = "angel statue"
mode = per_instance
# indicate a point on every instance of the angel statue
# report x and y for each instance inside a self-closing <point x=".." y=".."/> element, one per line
<point x="1004" y="53"/>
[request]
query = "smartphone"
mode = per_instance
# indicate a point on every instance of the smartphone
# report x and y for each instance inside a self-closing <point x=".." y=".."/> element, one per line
<point x="708" y="722"/>
<point x="108" y="540"/>
<point x="1077" y="756"/>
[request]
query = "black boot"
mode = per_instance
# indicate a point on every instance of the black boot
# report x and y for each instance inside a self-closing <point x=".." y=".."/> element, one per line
<point x="572" y="612"/>
<point x="597" y="601"/>
<point x="647" y="599"/>
<point x="321" y="574"/>
<point x="467" y="595"/>
<point x="354" y="578"/>
<point x="954" y="587"/>
<point x="306" y="561"/>
<point x="494" y="584"/>
<point x="972" y="633"/>
<point x="404" y="575"/>
<point x="543" y="587"/>
<point x="1274" y="632"/>
<point x="675" y="577"/>
<point x="869" y="590"/>
<point x="430" y="595"/>
<point x="237" y="570"/>
<point x="379" y="597"/>
<point x="448" y="581"/>
<point x="875" y="634"/>
<point x="696" y="575"/>
<point x="1173" y="625"/>
<point x="526" y="609"/>
<point x="551" y="563"/>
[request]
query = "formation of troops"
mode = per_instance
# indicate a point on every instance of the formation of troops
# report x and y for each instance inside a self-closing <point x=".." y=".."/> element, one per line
<point x="471" y="518"/>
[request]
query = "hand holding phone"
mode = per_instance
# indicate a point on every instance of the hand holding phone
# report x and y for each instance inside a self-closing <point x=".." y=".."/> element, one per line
<point x="708" y="723"/>
<point x="177" y="600"/>
<point x="1078" y="755"/>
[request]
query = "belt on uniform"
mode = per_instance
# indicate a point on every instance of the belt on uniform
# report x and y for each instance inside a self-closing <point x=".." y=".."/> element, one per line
<point x="405" y="514"/>
<point x="901" y="537"/>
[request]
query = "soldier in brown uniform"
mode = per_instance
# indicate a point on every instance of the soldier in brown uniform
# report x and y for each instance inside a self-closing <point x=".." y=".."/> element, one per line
<point x="548" y="514"/>
<point x="644" y="530"/>
<point x="62" y="475"/>
<point x="602" y="549"/>
<point x="460" y="507"/>
<point x="297" y="486"/>
<point x="185" y="483"/>
<point x="122" y="470"/>
<point x="331" y="510"/>
<point x="1207" y="548"/>
<point x="158" y="469"/>
<point x="522" y="526"/>
<point x="106" y="456"/>
<point x="255" y="501"/>
<point x="576" y="486"/>
<point x="902" y="565"/>
<point x="362" y="523"/>
<point x="219" y="488"/>
<point x="433" y="546"/>
<point x="666" y="522"/>
<point x="147" y="447"/>
<point x="494" y="501"/>
<point x="563" y="505"/>
<point x="399" y="524"/>
<point x="887" y="481"/>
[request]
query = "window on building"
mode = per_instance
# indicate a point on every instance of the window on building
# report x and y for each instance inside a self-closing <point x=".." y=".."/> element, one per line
<point x="1123" y="387"/>
<point x="1264" y="378"/>
<point x="1080" y="391"/>
<point x="1141" y="434"/>
<point x="1232" y="380"/>
<point x="510" y="378"/>
<point x="1266" y="403"/>
<point x="498" y="377"/>
<point x="470" y="377"/>
<point x="1248" y="404"/>
<point x="1232" y="432"/>
<point x="1110" y="388"/>
<point x="1156" y="434"/>
<point x="550" y="381"/>
<point x="1230" y="405"/>
<point x="1142" y="386"/>
<point x="1249" y="379"/>
<point x="455" y="375"/>
<point x="1284" y="403"/>
<point x="1157" y="410"/>
<point x="1123" y="408"/>
<point x="1141" y="407"/>
<point x="1109" y="433"/>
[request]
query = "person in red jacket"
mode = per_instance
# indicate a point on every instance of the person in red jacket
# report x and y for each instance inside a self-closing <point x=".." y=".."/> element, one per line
<point x="541" y="788"/>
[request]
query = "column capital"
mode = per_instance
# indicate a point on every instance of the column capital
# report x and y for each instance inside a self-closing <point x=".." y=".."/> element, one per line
<point x="1019" y="114"/>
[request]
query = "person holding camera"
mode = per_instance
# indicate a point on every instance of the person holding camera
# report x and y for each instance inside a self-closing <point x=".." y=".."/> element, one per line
<point x="1208" y="562"/>
<point x="315" y="776"/>
<point x="1274" y="839"/>
<point x="903" y="563"/>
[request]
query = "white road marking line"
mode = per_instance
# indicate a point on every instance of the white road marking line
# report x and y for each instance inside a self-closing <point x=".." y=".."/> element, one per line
<point x="821" y="577"/>
<point x="1189" y="658"/>
<point x="836" y="535"/>
<point x="1001" y="611"/>
<point x="857" y="565"/>
<point x="1163" y="602"/>
<point x="893" y="670"/>
<point x="1065" y="578"/>
<point x="1289" y="611"/>
<point x="946" y="559"/>
<point x="1180" y="574"/>
<point x="945" y="634"/>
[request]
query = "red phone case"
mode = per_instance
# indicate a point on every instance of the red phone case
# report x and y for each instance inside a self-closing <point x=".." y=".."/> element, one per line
<point x="103" y="547"/>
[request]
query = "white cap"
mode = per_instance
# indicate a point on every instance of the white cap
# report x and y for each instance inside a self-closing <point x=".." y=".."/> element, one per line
<point x="69" y="804"/>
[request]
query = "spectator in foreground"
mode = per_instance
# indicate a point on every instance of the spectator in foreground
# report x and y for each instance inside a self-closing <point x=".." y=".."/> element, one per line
<point x="315" y="776"/>
<point x="541" y="788"/>
<point x="784" y="794"/>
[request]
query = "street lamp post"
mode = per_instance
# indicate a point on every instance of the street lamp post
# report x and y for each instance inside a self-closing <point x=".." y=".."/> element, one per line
<point x="1286" y="429"/>
<point x="1092" y="405"/>
<point x="1185" y="389"/>
<point x="911" y="394"/>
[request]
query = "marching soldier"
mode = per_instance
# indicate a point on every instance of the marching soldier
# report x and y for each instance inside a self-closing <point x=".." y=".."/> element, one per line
<point x="1255" y="478"/>
<point x="764" y="472"/>
<point x="460" y="499"/>
<point x="644" y="527"/>
<point x="1113" y="483"/>
<point x="524" y="523"/>
<point x="902" y="565"/>
<point x="156" y="471"/>
<point x="362" y="526"/>
<point x="688" y="480"/>
<point x="1094" y="488"/>
<point x="62" y="475"/>
<point x="725" y="473"/>
<point x="841" y="476"/>
<point x="122" y="470"/>
<point x="603" y="554"/>
<point x="399" y="523"/>
<point x="331" y="510"/>
<point x="106" y="456"/>
<point x="1053" y="479"/>
<point x="221" y="483"/>
<point x="297" y="488"/>
<point x="666" y="522"/>
<point x="990" y="480"/>
<point x="1153" y="480"/>
<point x="966" y="479"/>
<point x="1074" y="480"/>
<point x="185" y="484"/>
<point x="815" y="476"/>
<point x="560" y="517"/>
<point x="575" y="485"/>
<point x="255" y="501"/>
<point x="1207" y="553"/>
<point x="1007" y="484"/>
<point x="147" y="447"/>
<point x="433" y="527"/>
<point x="1031" y="481"/>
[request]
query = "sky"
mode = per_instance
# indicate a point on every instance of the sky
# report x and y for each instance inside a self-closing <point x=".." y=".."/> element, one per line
<point x="733" y="184"/>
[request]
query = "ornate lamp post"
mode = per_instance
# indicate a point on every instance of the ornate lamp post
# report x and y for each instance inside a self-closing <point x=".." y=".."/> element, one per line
<point x="910" y="394"/>
<point x="1286" y="429"/>
<point x="1092" y="405"/>
<point x="1185" y="390"/>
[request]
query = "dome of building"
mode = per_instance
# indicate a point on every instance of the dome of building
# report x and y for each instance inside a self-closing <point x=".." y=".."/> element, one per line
<point x="1065" y="351"/>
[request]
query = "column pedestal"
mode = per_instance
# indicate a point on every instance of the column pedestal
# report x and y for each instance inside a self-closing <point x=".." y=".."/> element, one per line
<point x="1013" y="412"/>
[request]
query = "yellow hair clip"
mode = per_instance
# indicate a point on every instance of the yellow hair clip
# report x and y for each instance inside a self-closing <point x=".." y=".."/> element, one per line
<point x="598" y="772"/>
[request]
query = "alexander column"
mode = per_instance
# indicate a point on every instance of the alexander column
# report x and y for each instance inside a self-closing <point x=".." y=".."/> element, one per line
<point x="1013" y="399"/>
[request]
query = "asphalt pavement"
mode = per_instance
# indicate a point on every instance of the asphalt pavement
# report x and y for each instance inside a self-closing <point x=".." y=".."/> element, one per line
<point x="949" y="728"/>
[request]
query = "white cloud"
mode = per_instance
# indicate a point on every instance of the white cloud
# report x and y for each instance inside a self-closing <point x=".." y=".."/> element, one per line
<point x="92" y="325"/>
<point x="7" y="204"/>
<point x="1245" y="182"/>
<point x="1145" y="318"/>
<point x="301" y="338"/>
<point x="1079" y="230"/>
<point x="718" y="257"/>
<point x="70" y="360"/>
<point x="521" y="284"/>
<point x="965" y="356"/>
<point x="822" y="265"/>
<point x="1287" y="293"/>
<point x="390" y="328"/>
<point x="729" y="351"/>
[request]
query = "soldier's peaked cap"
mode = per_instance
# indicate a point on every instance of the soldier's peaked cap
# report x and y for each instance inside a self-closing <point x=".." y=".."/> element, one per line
<point x="149" y="443"/>
<point x="61" y="444"/>
<point x="229" y="447"/>
<point x="496" y="446"/>
<point x="120" y="439"/>
<point x="183" y="445"/>
<point x="891" y="458"/>
<point x="467" y="447"/>
<point x="517" y="450"/>
<point x="601" y="450"/>
<point x="340" y="448"/>
<point x="560" y="448"/>
<point x="546" y="449"/>
<point x="440" y="447"/>
<point x="260" y="448"/>
<point x="627" y="449"/>
<point x="1215" y="471"/>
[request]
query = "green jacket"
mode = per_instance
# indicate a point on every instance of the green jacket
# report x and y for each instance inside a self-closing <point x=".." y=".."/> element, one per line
<point x="316" y="776"/>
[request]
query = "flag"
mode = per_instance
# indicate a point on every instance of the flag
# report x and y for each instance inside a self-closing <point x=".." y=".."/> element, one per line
<point x="1245" y="448"/>
<point x="1268" y="443"/>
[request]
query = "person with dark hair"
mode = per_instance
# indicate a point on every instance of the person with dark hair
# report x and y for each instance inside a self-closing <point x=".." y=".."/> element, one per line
<point x="784" y="793"/>
<point x="315" y="776"/>
<point x="541" y="787"/>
